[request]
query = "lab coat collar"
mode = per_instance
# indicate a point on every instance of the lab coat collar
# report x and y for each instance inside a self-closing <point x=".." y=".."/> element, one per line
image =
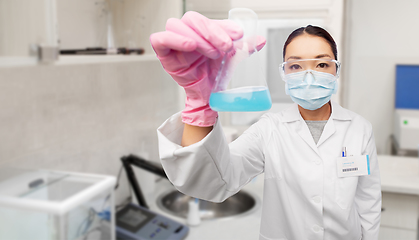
<point x="339" y="113"/>
<point x="293" y="114"/>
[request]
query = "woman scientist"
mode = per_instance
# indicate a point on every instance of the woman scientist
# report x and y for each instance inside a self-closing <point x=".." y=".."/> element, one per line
<point x="308" y="192"/>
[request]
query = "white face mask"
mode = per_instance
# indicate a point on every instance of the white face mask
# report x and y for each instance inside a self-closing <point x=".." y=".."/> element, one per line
<point x="310" y="89"/>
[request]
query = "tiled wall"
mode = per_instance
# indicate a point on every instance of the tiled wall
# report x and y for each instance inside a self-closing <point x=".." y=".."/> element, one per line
<point x="83" y="117"/>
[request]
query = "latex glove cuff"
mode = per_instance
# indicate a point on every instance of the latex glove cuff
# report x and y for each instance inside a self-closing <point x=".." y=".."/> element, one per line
<point x="197" y="111"/>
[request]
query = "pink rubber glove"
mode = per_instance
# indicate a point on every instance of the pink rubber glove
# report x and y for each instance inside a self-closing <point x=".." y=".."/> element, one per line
<point x="191" y="50"/>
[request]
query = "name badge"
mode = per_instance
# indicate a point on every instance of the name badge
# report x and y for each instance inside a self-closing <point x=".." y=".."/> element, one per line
<point x="353" y="166"/>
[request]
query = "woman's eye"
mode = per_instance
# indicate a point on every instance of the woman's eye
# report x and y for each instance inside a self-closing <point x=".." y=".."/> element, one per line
<point x="295" y="67"/>
<point x="323" y="65"/>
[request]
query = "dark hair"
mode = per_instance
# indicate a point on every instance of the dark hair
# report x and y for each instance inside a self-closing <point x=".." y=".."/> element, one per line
<point x="315" y="31"/>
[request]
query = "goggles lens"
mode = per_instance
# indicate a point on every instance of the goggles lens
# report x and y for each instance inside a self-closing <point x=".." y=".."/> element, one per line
<point x="320" y="65"/>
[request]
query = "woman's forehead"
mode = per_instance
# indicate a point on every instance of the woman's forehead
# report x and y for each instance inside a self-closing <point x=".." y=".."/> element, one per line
<point x="308" y="46"/>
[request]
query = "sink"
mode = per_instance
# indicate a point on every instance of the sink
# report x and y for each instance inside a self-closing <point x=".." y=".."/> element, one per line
<point x="240" y="204"/>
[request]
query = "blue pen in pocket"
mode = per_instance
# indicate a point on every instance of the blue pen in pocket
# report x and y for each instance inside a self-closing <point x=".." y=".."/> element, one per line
<point x="344" y="152"/>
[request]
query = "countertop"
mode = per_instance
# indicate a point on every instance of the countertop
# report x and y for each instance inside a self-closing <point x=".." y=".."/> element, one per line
<point x="398" y="175"/>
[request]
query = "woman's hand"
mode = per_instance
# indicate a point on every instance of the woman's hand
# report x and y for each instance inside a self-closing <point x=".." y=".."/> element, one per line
<point x="191" y="50"/>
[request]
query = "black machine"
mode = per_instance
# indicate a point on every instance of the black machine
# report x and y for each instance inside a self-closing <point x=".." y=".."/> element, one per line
<point x="138" y="222"/>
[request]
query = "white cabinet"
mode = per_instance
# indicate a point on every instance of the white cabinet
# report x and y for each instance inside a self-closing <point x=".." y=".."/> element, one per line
<point x="388" y="233"/>
<point x="399" y="217"/>
<point x="24" y="25"/>
<point x="79" y="24"/>
<point x="132" y="22"/>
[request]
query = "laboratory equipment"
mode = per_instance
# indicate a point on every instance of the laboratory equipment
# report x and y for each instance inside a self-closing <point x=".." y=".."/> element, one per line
<point x="238" y="87"/>
<point x="193" y="219"/>
<point x="406" y="114"/>
<point x="177" y="204"/>
<point x="406" y="126"/>
<point x="127" y="162"/>
<point x="139" y="223"/>
<point x="42" y="204"/>
<point x="239" y="205"/>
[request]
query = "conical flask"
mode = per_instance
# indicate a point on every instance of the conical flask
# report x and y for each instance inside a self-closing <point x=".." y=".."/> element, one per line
<point x="240" y="85"/>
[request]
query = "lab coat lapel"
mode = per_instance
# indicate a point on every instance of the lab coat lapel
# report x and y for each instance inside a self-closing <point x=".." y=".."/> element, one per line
<point x="338" y="113"/>
<point x="305" y="134"/>
<point x="293" y="116"/>
<point x="328" y="131"/>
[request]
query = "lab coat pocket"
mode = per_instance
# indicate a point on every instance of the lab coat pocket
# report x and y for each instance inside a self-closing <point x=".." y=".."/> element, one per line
<point x="345" y="189"/>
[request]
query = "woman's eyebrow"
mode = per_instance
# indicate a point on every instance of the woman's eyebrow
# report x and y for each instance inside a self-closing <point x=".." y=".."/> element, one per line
<point x="293" y="57"/>
<point x="323" y="55"/>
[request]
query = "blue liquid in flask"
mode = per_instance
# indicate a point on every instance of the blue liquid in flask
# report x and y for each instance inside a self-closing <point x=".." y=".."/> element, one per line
<point x="245" y="99"/>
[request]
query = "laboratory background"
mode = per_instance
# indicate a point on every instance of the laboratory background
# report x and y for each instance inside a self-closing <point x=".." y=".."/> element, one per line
<point x="82" y="94"/>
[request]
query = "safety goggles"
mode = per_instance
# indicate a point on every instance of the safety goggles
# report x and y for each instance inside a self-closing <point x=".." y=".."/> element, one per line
<point x="320" y="65"/>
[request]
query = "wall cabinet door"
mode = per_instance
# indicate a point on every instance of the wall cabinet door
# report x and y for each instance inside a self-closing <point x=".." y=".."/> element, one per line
<point x="399" y="217"/>
<point x="113" y="23"/>
<point x="24" y="24"/>
<point x="389" y="233"/>
<point x="399" y="211"/>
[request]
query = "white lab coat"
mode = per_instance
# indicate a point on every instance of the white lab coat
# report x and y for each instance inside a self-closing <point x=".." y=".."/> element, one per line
<point x="303" y="197"/>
